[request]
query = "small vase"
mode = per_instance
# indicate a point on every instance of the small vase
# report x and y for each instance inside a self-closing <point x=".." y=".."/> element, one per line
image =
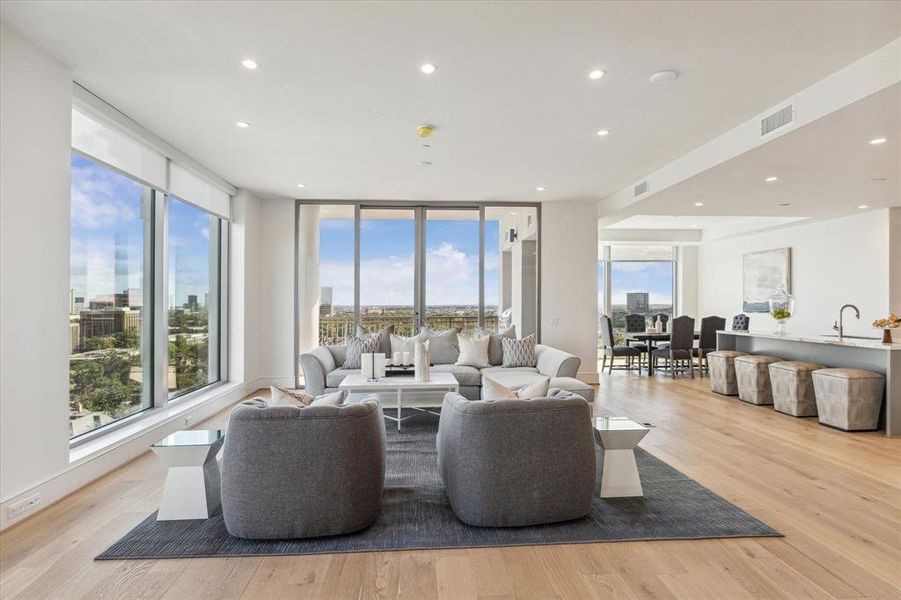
<point x="780" y="326"/>
<point x="887" y="336"/>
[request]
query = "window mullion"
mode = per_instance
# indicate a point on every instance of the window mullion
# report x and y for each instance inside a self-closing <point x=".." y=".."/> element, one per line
<point x="161" y="303"/>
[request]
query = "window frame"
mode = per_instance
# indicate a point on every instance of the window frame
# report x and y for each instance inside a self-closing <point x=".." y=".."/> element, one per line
<point x="155" y="281"/>
<point x="604" y="256"/>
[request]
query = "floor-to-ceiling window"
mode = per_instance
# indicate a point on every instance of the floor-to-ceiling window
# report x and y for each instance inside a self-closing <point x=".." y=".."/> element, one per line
<point x="412" y="265"/>
<point x="111" y="217"/>
<point x="146" y="272"/>
<point x="193" y="298"/>
<point x="636" y="280"/>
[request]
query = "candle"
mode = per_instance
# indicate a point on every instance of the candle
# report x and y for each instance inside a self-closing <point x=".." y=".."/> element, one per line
<point x="407" y="358"/>
<point x="366" y="364"/>
<point x="378" y="367"/>
<point x="398" y="356"/>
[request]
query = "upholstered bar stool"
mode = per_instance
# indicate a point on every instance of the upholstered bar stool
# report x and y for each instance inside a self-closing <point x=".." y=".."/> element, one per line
<point x="722" y="371"/>
<point x="792" y="387"/>
<point x="753" y="375"/>
<point x="849" y="399"/>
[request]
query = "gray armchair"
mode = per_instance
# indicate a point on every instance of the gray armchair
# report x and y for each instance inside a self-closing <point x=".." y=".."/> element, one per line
<point x="291" y="472"/>
<point x="511" y="463"/>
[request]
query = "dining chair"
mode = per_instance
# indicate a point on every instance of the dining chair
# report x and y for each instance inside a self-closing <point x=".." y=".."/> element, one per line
<point x="680" y="346"/>
<point x="636" y="324"/>
<point x="612" y="350"/>
<point x="740" y="322"/>
<point x="707" y="340"/>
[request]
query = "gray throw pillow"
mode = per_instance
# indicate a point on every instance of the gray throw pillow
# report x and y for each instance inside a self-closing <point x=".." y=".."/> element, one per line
<point x="495" y="348"/>
<point x="383" y="335"/>
<point x="444" y="347"/>
<point x="520" y="353"/>
<point x="356" y="347"/>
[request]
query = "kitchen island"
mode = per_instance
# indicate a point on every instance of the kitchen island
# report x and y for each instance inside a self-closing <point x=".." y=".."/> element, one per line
<point x="848" y="352"/>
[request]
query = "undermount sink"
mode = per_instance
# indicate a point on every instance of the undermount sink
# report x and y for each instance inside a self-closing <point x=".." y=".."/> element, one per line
<point x="852" y="337"/>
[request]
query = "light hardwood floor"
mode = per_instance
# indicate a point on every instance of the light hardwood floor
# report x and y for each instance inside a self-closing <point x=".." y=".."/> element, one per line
<point x="836" y="496"/>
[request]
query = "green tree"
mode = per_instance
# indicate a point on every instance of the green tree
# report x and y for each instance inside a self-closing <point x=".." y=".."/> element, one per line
<point x="129" y="338"/>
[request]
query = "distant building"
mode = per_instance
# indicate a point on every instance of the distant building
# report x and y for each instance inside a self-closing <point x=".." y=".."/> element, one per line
<point x="74" y="333"/>
<point x="106" y="322"/>
<point x="637" y="302"/>
<point x="130" y="298"/>
<point x="325" y="301"/>
<point x="192" y="303"/>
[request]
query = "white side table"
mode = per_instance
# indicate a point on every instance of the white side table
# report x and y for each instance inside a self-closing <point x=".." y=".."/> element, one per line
<point x="401" y="385"/>
<point x="617" y="472"/>
<point x="193" y="484"/>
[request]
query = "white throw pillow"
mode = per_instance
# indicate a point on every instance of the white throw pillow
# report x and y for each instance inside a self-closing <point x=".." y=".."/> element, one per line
<point x="280" y="396"/>
<point x="492" y="390"/>
<point x="331" y="399"/>
<point x="403" y="344"/>
<point x="474" y="351"/>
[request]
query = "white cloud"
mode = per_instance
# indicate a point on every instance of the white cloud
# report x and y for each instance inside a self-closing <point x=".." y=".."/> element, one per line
<point x="96" y="201"/>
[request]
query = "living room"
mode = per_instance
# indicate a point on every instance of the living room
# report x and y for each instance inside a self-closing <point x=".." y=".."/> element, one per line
<point x="526" y="299"/>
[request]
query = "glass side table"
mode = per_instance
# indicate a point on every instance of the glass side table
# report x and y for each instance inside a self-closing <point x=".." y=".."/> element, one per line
<point x="617" y="473"/>
<point x="193" y="484"/>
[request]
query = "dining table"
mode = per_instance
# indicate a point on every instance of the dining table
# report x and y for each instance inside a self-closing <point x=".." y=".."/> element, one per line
<point x="652" y="339"/>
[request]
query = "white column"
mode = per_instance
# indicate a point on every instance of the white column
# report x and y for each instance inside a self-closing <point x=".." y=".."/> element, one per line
<point x="687" y="283"/>
<point x="308" y="276"/>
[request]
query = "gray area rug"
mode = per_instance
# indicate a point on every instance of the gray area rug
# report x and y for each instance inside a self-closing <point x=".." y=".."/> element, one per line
<point x="416" y="515"/>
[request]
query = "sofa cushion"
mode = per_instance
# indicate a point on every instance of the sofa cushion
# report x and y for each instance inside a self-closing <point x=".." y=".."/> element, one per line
<point x="573" y="385"/>
<point x="514" y="379"/>
<point x="465" y="375"/>
<point x="495" y="346"/>
<point x="357" y="347"/>
<point x="334" y="378"/>
<point x="520" y="353"/>
<point x="499" y="369"/>
<point x="444" y="348"/>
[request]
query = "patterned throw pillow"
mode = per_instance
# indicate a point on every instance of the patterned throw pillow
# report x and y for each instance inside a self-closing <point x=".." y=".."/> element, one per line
<point x="383" y="335"/>
<point x="280" y="396"/>
<point x="492" y="390"/>
<point x="357" y="347"/>
<point x="520" y="353"/>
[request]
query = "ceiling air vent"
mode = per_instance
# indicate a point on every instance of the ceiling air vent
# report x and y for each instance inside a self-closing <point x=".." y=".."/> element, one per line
<point x="641" y="188"/>
<point x="780" y="118"/>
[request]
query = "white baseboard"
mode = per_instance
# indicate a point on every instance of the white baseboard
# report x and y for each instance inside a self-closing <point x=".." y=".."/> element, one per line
<point x="588" y="376"/>
<point x="123" y="447"/>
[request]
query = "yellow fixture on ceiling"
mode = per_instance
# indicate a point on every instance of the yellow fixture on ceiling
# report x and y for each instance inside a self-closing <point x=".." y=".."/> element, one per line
<point x="425" y="131"/>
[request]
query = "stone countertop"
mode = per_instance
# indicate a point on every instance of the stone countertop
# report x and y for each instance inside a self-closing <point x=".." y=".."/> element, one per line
<point x="874" y="344"/>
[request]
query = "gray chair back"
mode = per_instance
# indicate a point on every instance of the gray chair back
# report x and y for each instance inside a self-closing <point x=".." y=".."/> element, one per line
<point x="606" y="331"/>
<point x="682" y="336"/>
<point x="741" y="322"/>
<point x="290" y="472"/>
<point x="636" y="323"/>
<point x="709" y="327"/>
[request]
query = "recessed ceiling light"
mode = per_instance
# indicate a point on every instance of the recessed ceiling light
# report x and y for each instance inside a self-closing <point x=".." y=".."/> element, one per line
<point x="879" y="140"/>
<point x="596" y="74"/>
<point x="514" y="213"/>
<point x="603" y="132"/>
<point x="242" y="124"/>
<point x="771" y="179"/>
<point x="301" y="185"/>
<point x="663" y="77"/>
<point x="428" y="68"/>
<point x="863" y="206"/>
<point x="540" y="188"/>
<point x="699" y="204"/>
<point x="425" y="163"/>
<point x="249" y="63"/>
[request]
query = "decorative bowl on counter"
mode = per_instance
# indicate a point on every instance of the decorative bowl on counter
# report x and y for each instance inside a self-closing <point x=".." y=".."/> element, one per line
<point x="891" y="328"/>
<point x="782" y="306"/>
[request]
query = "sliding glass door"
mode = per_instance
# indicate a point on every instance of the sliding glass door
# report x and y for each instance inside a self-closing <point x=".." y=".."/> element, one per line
<point x="452" y="275"/>
<point x="386" y="269"/>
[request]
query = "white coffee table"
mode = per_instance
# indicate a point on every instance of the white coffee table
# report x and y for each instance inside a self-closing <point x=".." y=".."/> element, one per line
<point x="193" y="484"/>
<point x="400" y="385"/>
<point x="617" y="472"/>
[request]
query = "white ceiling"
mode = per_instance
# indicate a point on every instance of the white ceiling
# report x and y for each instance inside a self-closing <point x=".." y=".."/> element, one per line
<point x="825" y="169"/>
<point x="337" y="99"/>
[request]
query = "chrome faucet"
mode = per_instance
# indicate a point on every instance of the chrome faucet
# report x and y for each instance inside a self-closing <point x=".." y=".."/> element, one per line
<point x="840" y="325"/>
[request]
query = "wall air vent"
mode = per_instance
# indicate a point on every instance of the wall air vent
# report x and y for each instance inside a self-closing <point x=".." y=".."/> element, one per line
<point x="641" y="188"/>
<point x="782" y="117"/>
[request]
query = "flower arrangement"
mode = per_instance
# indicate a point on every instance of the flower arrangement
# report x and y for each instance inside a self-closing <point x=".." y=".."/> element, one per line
<point x="780" y="313"/>
<point x="893" y="321"/>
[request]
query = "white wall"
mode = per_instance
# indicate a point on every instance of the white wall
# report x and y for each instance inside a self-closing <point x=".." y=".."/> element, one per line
<point x="35" y="132"/>
<point x="244" y="288"/>
<point x="276" y="290"/>
<point x="833" y="262"/>
<point x="569" y="281"/>
<point x="687" y="282"/>
<point x="895" y="260"/>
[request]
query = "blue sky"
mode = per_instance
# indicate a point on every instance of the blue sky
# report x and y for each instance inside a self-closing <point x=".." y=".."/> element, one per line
<point x="656" y="278"/>
<point x="386" y="253"/>
<point x="106" y="207"/>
